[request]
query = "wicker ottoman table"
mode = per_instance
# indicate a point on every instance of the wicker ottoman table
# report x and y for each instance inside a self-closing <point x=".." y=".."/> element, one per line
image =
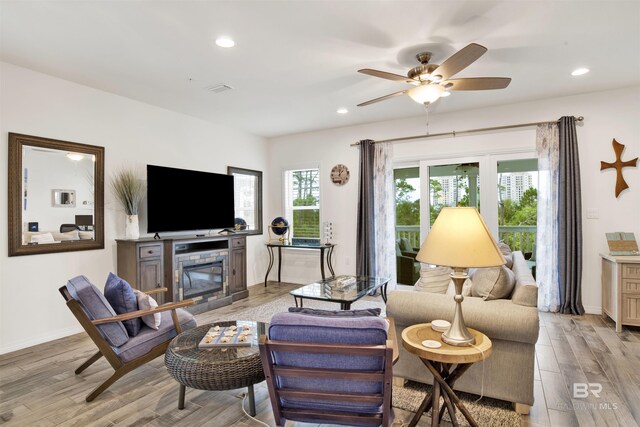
<point x="219" y="368"/>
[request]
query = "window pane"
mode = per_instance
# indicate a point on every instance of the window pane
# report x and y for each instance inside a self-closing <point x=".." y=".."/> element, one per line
<point x="518" y="203"/>
<point x="306" y="223"/>
<point x="302" y="202"/>
<point x="453" y="185"/>
<point x="407" y="189"/>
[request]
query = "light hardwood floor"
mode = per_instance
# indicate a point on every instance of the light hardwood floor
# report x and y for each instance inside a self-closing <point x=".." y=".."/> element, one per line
<point x="38" y="386"/>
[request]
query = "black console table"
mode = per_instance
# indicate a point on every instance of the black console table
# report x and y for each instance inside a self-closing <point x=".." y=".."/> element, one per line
<point x="322" y="247"/>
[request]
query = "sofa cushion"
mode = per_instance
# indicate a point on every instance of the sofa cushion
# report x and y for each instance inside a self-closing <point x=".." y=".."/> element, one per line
<point x="435" y="280"/>
<point x="120" y="295"/>
<point x="297" y="327"/>
<point x="492" y="283"/>
<point x="336" y="313"/>
<point x="148" y="338"/>
<point x="146" y="302"/>
<point x="96" y="306"/>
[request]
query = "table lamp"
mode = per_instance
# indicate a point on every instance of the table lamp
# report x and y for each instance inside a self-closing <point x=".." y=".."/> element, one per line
<point x="460" y="239"/>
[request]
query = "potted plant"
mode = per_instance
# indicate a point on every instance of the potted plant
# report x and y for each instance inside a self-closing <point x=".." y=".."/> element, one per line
<point x="129" y="191"/>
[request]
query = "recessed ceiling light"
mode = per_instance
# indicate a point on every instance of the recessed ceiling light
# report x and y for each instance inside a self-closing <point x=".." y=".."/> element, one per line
<point x="445" y="94"/>
<point x="342" y="111"/>
<point x="579" y="71"/>
<point x="225" y="42"/>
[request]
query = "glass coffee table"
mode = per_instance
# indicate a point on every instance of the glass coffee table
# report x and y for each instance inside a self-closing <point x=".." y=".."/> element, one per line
<point x="324" y="291"/>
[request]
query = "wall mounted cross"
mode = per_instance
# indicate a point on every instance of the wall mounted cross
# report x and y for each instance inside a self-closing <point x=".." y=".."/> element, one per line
<point x="621" y="184"/>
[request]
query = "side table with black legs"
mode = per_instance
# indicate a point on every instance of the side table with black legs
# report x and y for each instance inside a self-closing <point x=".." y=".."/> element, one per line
<point x="440" y="362"/>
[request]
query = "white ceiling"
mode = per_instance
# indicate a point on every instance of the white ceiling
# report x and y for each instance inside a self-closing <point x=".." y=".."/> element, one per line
<point x="295" y="61"/>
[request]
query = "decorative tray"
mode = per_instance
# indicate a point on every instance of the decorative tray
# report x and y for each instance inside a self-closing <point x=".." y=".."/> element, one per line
<point x="227" y="336"/>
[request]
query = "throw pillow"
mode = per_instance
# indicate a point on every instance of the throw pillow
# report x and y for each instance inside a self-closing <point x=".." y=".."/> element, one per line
<point x="504" y="248"/>
<point x="434" y="280"/>
<point x="146" y="302"/>
<point x="509" y="263"/>
<point x="120" y="295"/>
<point x="42" y="238"/>
<point x="492" y="283"/>
<point x="336" y="313"/>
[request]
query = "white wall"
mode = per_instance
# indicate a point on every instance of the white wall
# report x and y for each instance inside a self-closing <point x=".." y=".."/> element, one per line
<point x="133" y="133"/>
<point x="608" y="115"/>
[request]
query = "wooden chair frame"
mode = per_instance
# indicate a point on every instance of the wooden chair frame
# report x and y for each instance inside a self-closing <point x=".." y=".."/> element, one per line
<point x="104" y="348"/>
<point x="271" y="371"/>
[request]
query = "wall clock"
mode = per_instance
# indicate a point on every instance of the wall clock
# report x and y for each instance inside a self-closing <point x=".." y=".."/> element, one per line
<point x="340" y="174"/>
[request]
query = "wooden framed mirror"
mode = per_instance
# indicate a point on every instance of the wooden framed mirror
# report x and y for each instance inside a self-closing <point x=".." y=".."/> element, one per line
<point x="45" y="216"/>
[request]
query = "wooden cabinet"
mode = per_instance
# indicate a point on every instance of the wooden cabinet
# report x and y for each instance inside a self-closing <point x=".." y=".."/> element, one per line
<point x="237" y="268"/>
<point x="141" y="264"/>
<point x="148" y="264"/>
<point x="621" y="289"/>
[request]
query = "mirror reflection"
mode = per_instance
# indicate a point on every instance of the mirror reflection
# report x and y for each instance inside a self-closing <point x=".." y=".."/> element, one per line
<point x="54" y="179"/>
<point x="56" y="195"/>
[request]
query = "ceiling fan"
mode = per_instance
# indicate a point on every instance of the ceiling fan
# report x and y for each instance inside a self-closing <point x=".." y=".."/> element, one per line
<point x="432" y="81"/>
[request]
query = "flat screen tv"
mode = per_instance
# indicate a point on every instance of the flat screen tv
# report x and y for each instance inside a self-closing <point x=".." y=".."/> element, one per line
<point x="183" y="200"/>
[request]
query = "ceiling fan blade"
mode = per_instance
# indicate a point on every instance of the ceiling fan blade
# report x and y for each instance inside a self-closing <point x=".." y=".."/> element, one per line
<point x="382" y="98"/>
<point x="459" y="61"/>
<point x="385" y="75"/>
<point x="478" y="83"/>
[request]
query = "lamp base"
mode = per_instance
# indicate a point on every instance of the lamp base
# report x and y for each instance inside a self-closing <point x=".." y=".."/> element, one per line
<point x="458" y="334"/>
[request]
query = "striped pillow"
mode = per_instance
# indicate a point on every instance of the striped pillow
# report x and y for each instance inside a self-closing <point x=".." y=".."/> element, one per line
<point x="434" y="280"/>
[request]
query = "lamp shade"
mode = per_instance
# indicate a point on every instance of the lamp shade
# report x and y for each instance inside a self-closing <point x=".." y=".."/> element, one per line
<point x="460" y="238"/>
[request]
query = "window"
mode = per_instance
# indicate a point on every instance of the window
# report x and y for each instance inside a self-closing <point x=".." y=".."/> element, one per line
<point x="247" y="199"/>
<point x="302" y="202"/>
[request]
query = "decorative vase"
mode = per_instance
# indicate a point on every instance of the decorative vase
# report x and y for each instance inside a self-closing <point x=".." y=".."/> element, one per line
<point x="132" y="228"/>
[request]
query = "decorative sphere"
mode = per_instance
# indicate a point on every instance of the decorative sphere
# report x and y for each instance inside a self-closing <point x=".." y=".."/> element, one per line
<point x="279" y="226"/>
<point x="240" y="224"/>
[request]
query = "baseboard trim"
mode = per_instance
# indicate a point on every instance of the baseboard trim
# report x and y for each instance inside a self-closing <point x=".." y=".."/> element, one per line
<point x="20" y="345"/>
<point x="593" y="309"/>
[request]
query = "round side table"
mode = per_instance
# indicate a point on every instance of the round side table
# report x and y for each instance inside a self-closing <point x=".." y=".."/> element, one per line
<point x="440" y="362"/>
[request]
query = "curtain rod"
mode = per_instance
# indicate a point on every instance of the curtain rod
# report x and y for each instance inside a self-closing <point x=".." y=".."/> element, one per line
<point x="462" y="132"/>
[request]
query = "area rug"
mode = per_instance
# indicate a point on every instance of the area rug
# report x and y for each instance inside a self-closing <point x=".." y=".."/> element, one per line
<point x="486" y="412"/>
<point x="264" y="312"/>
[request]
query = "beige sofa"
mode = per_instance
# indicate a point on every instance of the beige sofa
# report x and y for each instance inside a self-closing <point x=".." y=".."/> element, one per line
<point x="511" y="324"/>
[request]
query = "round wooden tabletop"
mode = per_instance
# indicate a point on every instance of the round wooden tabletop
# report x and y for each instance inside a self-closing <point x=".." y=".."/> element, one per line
<point x="413" y="336"/>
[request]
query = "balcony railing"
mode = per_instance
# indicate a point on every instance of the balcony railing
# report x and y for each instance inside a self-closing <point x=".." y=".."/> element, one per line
<point x="411" y="232"/>
<point x="518" y="237"/>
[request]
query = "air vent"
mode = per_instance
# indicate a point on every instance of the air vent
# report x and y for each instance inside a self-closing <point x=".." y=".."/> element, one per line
<point x="218" y="88"/>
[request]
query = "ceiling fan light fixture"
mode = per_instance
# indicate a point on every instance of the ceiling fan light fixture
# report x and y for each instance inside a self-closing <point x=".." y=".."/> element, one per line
<point x="436" y="78"/>
<point x="426" y="93"/>
<point x="445" y="94"/>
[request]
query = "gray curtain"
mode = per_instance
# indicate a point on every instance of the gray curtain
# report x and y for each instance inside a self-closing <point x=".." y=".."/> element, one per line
<point x="569" y="219"/>
<point x="365" y="239"/>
